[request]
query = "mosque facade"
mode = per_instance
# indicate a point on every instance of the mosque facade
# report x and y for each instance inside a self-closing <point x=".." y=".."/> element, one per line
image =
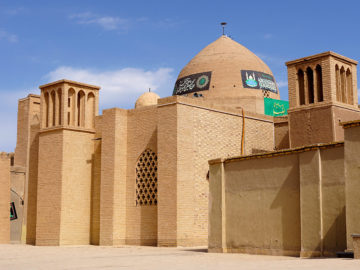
<point x="141" y="176"/>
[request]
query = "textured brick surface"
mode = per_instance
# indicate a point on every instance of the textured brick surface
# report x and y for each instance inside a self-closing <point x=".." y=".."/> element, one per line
<point x="4" y="198"/>
<point x="199" y="137"/>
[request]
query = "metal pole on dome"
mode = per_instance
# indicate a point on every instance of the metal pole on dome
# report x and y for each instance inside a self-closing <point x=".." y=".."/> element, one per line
<point x="223" y="24"/>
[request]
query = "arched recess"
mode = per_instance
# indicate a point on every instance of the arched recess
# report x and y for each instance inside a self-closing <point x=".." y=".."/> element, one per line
<point x="81" y="109"/>
<point x="46" y="109"/>
<point x="301" y="86"/>
<point x="319" y="83"/>
<point x="59" y="102"/>
<point x="349" y="87"/>
<point x="71" y="107"/>
<point x="53" y="108"/>
<point x="90" y="110"/>
<point x="146" y="179"/>
<point x="343" y="84"/>
<point x="310" y="84"/>
<point x="338" y="88"/>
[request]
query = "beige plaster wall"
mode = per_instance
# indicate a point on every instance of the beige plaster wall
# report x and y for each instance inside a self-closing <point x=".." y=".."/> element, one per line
<point x="352" y="176"/>
<point x="4" y="198"/>
<point x="333" y="201"/>
<point x="141" y="221"/>
<point x="290" y="202"/>
<point x="262" y="206"/>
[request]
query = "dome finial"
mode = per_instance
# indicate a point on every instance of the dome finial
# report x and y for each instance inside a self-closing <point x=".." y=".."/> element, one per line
<point x="223" y="24"/>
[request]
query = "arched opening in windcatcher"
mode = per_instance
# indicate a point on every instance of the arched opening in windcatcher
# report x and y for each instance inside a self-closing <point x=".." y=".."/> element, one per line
<point x="338" y="88"/>
<point x="81" y="108"/>
<point x="53" y="108"/>
<point x="46" y="109"/>
<point x="349" y="87"/>
<point x="301" y="86"/>
<point x="90" y="110"/>
<point x="319" y="83"/>
<point x="71" y="107"/>
<point x="310" y="84"/>
<point x="59" y="102"/>
<point x="343" y="84"/>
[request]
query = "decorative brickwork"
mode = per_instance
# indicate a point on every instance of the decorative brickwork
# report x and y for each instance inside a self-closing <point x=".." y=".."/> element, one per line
<point x="146" y="179"/>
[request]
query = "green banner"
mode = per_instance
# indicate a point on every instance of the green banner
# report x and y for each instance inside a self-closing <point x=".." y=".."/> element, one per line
<point x="275" y="107"/>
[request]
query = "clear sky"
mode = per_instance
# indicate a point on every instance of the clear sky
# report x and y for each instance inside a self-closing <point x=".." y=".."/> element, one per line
<point x="128" y="46"/>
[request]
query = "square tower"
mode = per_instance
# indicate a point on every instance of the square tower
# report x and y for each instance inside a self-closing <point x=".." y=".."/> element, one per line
<point x="322" y="93"/>
<point x="65" y="159"/>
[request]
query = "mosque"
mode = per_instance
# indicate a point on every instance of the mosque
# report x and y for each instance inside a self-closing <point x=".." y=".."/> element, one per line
<point x="141" y="176"/>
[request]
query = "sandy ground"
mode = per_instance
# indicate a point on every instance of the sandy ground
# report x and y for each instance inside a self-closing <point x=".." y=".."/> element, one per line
<point x="95" y="257"/>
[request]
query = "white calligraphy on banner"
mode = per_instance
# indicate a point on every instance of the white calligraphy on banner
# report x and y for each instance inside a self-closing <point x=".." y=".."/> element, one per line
<point x="185" y="85"/>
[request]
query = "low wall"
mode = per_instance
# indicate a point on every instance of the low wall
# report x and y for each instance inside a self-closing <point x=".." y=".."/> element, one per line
<point x="4" y="198"/>
<point x="289" y="202"/>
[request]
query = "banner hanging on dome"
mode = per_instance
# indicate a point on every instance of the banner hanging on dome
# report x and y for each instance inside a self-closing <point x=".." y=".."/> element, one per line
<point x="258" y="80"/>
<point x="192" y="83"/>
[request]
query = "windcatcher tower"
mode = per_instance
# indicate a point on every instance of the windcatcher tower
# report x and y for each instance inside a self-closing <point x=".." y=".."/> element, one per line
<point x="322" y="93"/>
<point x="66" y="147"/>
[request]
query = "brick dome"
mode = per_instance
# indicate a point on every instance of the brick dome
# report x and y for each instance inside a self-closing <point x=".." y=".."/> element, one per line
<point x="227" y="69"/>
<point x="147" y="99"/>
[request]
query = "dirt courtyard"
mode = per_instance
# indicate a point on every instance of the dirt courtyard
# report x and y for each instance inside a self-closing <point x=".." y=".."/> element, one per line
<point x="130" y="257"/>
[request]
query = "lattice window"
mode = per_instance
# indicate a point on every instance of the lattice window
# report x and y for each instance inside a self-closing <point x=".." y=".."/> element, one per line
<point x="146" y="179"/>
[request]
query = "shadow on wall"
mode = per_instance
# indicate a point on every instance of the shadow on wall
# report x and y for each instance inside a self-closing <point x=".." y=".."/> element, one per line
<point x="288" y="200"/>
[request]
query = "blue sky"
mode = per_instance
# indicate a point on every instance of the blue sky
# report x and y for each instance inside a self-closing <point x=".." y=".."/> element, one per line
<point x="128" y="46"/>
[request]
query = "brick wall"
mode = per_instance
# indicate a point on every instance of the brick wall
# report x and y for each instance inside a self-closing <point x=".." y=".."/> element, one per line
<point x="4" y="198"/>
<point x="141" y="221"/>
<point x="201" y="134"/>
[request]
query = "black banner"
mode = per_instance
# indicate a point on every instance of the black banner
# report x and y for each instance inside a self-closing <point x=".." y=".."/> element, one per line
<point x="192" y="83"/>
<point x="258" y="80"/>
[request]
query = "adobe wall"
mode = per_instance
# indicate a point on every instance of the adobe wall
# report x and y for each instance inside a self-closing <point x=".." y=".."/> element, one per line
<point x="343" y="114"/>
<point x="289" y="202"/>
<point x="352" y="176"/>
<point x="281" y="129"/>
<point x="319" y="123"/>
<point x="311" y="124"/>
<point x="4" y="198"/>
<point x="196" y="137"/>
<point x="141" y="220"/>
